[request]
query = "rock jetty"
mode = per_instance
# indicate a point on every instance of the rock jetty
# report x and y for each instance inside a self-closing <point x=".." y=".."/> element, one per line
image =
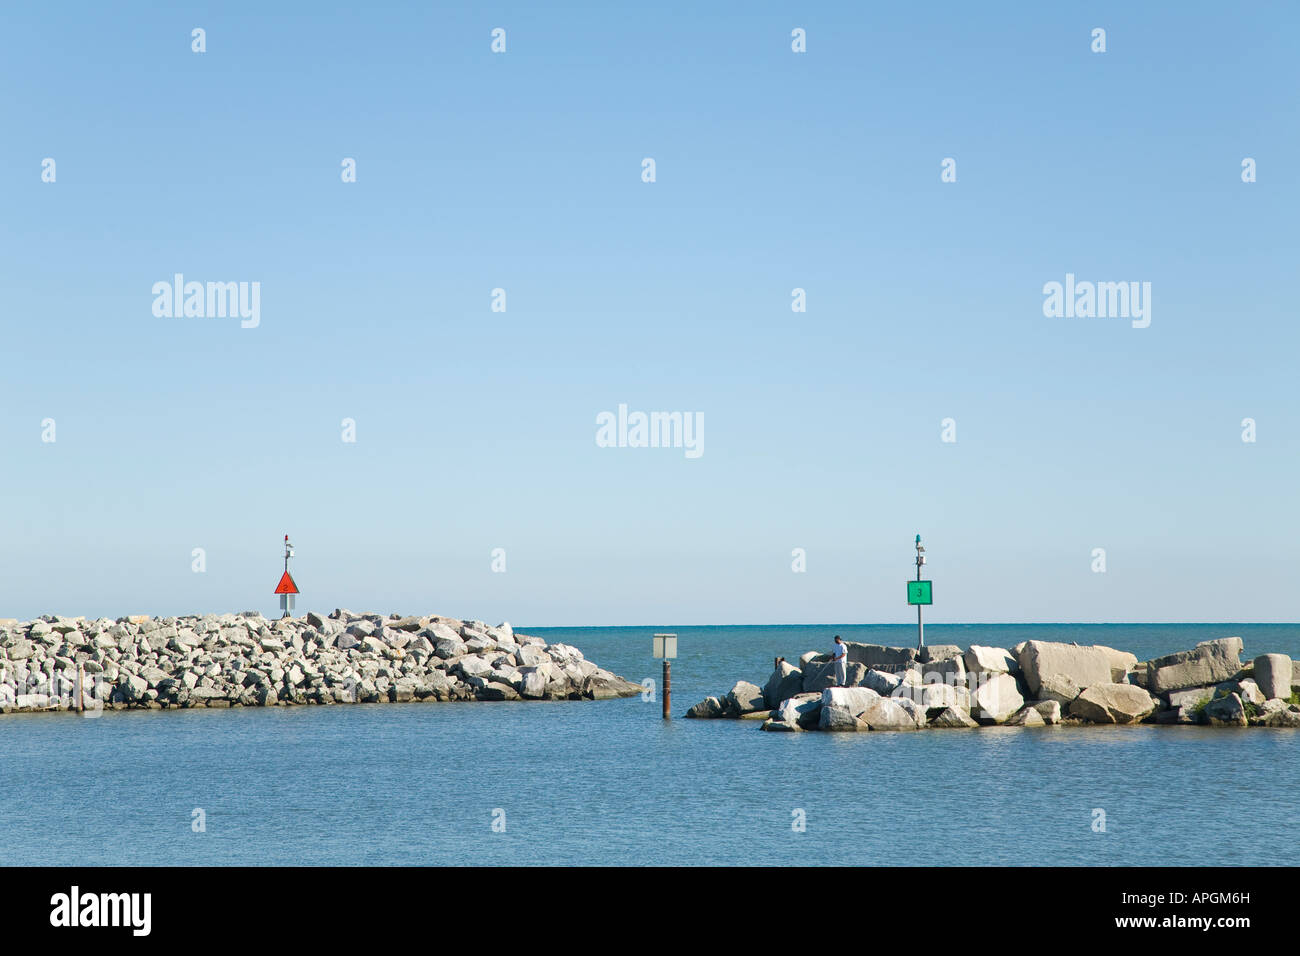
<point x="231" y="660"/>
<point x="1034" y="684"/>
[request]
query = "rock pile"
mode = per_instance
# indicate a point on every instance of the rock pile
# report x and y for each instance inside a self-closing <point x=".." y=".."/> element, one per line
<point x="1034" y="684"/>
<point x="225" y="660"/>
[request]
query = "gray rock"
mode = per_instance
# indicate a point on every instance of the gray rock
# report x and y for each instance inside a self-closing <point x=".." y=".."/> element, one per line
<point x="1284" y="716"/>
<point x="132" y="687"/>
<point x="1247" y="690"/>
<point x="1058" y="688"/>
<point x="853" y="700"/>
<point x="817" y="676"/>
<point x="785" y="682"/>
<point x="744" y="698"/>
<point x="996" y="698"/>
<point x="533" y="685"/>
<point x="494" y="690"/>
<point x="878" y="657"/>
<point x="1049" y="710"/>
<point x="1081" y="665"/>
<point x="1122" y="663"/>
<point x="1208" y="663"/>
<point x="953" y="718"/>
<point x="472" y="666"/>
<point x="709" y="707"/>
<point x="993" y="660"/>
<point x="1113" y="704"/>
<point x="935" y="696"/>
<point x="802" y="709"/>
<point x="839" y="719"/>
<point x="889" y="713"/>
<point x="1027" y="717"/>
<point x="1273" y="675"/>
<point x="938" y="653"/>
<point x="527" y="656"/>
<point x="602" y="685"/>
<point x="882" y="682"/>
<point x="1225" y="712"/>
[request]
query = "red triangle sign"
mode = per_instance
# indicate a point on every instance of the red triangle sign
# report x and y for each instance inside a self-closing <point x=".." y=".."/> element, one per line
<point x="286" y="585"/>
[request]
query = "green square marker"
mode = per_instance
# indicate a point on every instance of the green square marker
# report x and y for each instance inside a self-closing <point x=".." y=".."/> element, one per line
<point x="919" y="592"/>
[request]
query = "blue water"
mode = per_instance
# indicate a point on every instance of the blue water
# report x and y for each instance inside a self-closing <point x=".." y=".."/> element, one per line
<point x="610" y="782"/>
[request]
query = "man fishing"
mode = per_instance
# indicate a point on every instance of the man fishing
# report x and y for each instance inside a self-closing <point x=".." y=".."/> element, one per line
<point x="840" y="657"/>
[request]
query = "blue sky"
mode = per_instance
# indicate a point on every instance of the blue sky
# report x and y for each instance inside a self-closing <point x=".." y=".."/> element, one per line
<point x="775" y="170"/>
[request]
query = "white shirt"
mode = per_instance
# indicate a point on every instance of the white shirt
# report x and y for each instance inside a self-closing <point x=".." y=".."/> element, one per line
<point x="841" y="652"/>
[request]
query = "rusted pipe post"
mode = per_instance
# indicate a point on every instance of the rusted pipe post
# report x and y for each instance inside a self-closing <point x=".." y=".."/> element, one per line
<point x="668" y="690"/>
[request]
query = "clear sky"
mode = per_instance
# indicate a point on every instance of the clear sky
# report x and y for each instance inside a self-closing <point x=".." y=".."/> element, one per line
<point x="775" y="170"/>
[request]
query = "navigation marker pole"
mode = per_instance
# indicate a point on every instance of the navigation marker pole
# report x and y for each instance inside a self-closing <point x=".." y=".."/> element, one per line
<point x="286" y="588"/>
<point x="665" y="646"/>
<point x="919" y="593"/>
<point x="920" y="627"/>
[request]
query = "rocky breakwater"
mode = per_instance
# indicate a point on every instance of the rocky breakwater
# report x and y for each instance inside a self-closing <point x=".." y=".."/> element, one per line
<point x="1034" y="684"/>
<point x="230" y="660"/>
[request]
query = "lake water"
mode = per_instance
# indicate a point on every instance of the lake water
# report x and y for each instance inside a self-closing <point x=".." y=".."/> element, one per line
<point x="610" y="782"/>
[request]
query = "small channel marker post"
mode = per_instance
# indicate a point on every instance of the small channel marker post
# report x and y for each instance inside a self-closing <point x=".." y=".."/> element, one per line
<point x="919" y="593"/>
<point x="286" y="588"/>
<point x="665" y="646"/>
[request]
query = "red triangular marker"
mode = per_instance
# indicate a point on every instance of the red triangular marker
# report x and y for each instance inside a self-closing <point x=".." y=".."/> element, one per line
<point x="286" y="585"/>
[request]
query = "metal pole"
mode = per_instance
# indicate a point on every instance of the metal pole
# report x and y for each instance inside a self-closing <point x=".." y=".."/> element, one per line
<point x="668" y="689"/>
<point x="81" y="680"/>
<point x="920" y="627"/>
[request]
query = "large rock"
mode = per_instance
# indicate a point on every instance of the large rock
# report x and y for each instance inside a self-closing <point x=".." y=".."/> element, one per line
<point x="854" y="700"/>
<point x="532" y="684"/>
<point x="1122" y="663"/>
<point x="994" y="660"/>
<point x="1083" y="666"/>
<point x="839" y="719"/>
<point x="471" y="666"/>
<point x="882" y="682"/>
<point x="873" y="656"/>
<point x="935" y="696"/>
<point x="1273" y="675"/>
<point x="888" y="713"/>
<point x="996" y="698"/>
<point x="947" y="670"/>
<point x="1113" y="704"/>
<point x="1185" y="705"/>
<point x="1027" y="717"/>
<point x="744" y="698"/>
<point x="603" y="685"/>
<point x="803" y="710"/>
<point x="1059" y="688"/>
<point x="1049" y="710"/>
<point x="817" y="676"/>
<point x="1225" y="712"/>
<point x="785" y="682"/>
<point x="1209" y="662"/>
<point x="952" y="717"/>
<point x="1246" y="689"/>
<point x="132" y="687"/>
<point x="1276" y="713"/>
<point x="709" y="707"/>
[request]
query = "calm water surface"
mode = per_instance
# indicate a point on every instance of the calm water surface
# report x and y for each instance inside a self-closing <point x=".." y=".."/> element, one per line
<point x="609" y="782"/>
